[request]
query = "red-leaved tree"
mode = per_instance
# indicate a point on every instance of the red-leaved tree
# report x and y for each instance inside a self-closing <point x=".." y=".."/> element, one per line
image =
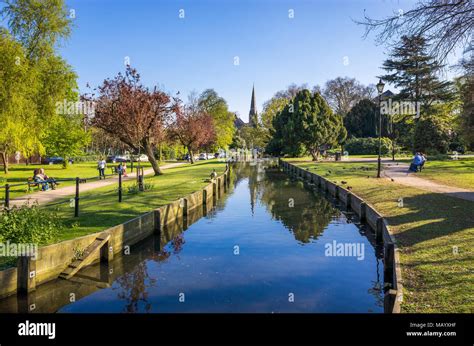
<point x="133" y="113"/>
<point x="193" y="128"/>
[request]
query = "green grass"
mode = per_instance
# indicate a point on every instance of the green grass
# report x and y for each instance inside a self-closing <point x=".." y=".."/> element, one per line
<point x="427" y="228"/>
<point x="100" y="209"/>
<point x="459" y="173"/>
<point x="21" y="172"/>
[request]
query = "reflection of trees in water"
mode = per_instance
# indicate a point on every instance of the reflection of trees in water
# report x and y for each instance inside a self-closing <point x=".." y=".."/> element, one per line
<point x="309" y="215"/>
<point x="377" y="287"/>
<point x="134" y="286"/>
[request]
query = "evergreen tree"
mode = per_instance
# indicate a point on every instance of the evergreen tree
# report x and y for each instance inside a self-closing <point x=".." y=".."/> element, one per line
<point x="415" y="73"/>
<point x="306" y="124"/>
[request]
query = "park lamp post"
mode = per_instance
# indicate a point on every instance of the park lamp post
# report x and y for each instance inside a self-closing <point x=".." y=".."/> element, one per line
<point x="380" y="86"/>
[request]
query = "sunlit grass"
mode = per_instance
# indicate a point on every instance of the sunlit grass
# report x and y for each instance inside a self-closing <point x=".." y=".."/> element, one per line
<point x="100" y="209"/>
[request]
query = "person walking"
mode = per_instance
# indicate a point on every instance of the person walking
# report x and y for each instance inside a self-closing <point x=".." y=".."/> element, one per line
<point x="101" y="165"/>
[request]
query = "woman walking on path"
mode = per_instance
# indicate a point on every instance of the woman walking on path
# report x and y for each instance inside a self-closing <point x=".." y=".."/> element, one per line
<point x="101" y="167"/>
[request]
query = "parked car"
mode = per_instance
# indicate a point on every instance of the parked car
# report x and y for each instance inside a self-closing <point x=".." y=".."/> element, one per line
<point x="116" y="158"/>
<point x="141" y="158"/>
<point x="54" y="160"/>
<point x="203" y="156"/>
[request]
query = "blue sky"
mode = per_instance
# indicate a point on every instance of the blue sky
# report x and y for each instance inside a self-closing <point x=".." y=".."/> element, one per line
<point x="197" y="52"/>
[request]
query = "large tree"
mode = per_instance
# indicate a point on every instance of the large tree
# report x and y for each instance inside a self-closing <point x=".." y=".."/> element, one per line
<point x="193" y="128"/>
<point x="415" y="73"/>
<point x="37" y="27"/>
<point x="306" y="124"/>
<point x="342" y="93"/>
<point x="211" y="103"/>
<point x="19" y="130"/>
<point x="38" y="24"/>
<point x="445" y="24"/>
<point x="362" y="119"/>
<point x="136" y="115"/>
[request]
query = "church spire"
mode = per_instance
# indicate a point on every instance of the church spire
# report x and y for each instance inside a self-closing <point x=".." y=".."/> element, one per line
<point x="253" y="117"/>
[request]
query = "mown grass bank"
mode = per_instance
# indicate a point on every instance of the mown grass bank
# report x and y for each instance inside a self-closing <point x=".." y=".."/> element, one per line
<point x="100" y="209"/>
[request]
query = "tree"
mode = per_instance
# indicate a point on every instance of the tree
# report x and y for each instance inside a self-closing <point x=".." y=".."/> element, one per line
<point x="432" y="135"/>
<point x="467" y="99"/>
<point x="270" y="109"/>
<point x="18" y="131"/>
<point x="192" y="128"/>
<point x="306" y="124"/>
<point x="211" y="103"/>
<point x="414" y="72"/>
<point x="66" y="136"/>
<point x="254" y="137"/>
<point x="38" y="24"/>
<point x="362" y="121"/>
<point x="133" y="113"/>
<point x="445" y="24"/>
<point x="343" y="93"/>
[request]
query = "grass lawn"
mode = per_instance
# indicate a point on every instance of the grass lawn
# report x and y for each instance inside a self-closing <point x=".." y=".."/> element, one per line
<point x="20" y="174"/>
<point x="459" y="173"/>
<point x="435" y="234"/>
<point x="100" y="209"/>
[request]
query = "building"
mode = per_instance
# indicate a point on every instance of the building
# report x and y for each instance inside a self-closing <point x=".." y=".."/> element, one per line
<point x="253" y="116"/>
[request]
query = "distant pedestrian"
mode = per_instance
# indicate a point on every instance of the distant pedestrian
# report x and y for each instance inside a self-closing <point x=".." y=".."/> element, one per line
<point x="101" y="165"/>
<point x="124" y="169"/>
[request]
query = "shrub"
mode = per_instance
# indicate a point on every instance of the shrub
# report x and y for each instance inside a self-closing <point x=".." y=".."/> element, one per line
<point x="432" y="135"/>
<point x="87" y="158"/>
<point x="134" y="188"/>
<point x="367" y="146"/>
<point x="29" y="225"/>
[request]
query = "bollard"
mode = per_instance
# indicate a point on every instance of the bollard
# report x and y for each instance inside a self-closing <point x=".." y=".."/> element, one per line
<point x="76" y="199"/>
<point x="120" y="187"/>
<point x="7" y="196"/>
<point x="26" y="274"/>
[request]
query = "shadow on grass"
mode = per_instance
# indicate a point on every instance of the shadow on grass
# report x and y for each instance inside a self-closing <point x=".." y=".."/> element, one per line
<point x="439" y="215"/>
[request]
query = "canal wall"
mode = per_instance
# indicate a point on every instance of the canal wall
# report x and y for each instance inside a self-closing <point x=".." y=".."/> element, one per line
<point x="51" y="260"/>
<point x="368" y="214"/>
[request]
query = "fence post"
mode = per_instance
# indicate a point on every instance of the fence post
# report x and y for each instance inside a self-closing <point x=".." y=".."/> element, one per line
<point x="120" y="186"/>
<point x="7" y="196"/>
<point x="76" y="199"/>
<point x="141" y="179"/>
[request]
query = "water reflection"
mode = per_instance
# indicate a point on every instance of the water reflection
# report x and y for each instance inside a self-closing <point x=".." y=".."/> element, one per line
<point x="264" y="241"/>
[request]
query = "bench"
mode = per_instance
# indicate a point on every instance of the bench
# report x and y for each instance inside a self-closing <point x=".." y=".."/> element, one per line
<point x="32" y="183"/>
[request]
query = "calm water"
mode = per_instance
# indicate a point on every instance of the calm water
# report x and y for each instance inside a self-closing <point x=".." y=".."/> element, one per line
<point x="263" y="248"/>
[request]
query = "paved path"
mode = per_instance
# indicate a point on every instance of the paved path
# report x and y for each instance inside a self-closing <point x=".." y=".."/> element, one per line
<point x="44" y="197"/>
<point x="398" y="172"/>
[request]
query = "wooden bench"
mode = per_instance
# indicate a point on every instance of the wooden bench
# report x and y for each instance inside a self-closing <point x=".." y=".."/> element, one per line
<point x="32" y="183"/>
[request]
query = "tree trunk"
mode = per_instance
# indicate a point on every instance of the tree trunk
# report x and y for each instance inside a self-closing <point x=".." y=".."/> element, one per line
<point x="393" y="149"/>
<point x="314" y="154"/>
<point x="5" y="162"/>
<point x="191" y="155"/>
<point x="151" y="157"/>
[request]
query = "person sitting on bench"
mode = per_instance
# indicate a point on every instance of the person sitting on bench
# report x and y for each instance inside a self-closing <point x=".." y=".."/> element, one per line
<point x="418" y="161"/>
<point x="51" y="181"/>
<point x="38" y="178"/>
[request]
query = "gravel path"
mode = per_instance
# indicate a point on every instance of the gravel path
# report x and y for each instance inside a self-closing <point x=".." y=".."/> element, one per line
<point x="399" y="173"/>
